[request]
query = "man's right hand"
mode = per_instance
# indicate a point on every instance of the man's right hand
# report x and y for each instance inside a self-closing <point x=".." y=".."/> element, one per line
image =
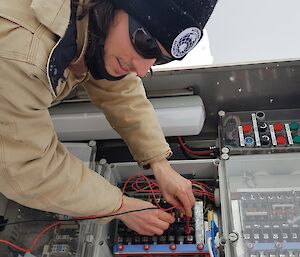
<point x="149" y="222"/>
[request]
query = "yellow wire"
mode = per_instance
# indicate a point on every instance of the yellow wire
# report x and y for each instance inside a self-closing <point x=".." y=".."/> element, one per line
<point x="210" y="217"/>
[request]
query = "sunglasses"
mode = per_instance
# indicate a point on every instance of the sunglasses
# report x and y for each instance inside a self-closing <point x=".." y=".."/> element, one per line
<point x="144" y="43"/>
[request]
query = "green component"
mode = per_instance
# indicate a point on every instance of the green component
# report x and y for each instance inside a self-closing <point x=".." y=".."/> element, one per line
<point x="296" y="139"/>
<point x="294" y="126"/>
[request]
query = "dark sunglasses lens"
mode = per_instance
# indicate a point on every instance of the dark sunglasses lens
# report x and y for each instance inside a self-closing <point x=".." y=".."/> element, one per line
<point x="145" y="44"/>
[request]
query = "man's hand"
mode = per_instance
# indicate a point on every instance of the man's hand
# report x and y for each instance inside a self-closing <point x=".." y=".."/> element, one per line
<point x="176" y="189"/>
<point x="149" y="222"/>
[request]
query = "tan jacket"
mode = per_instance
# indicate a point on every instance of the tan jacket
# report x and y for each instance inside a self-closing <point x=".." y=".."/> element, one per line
<point x="36" y="170"/>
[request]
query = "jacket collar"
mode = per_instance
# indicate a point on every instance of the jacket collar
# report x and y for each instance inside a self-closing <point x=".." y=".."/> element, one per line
<point x="78" y="66"/>
<point x="69" y="52"/>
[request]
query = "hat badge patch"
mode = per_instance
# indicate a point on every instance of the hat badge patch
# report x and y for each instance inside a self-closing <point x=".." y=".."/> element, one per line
<point x="185" y="41"/>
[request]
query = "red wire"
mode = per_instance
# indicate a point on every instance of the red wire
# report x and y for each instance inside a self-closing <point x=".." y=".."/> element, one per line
<point x="54" y="225"/>
<point x="187" y="225"/>
<point x="140" y="181"/>
<point x="135" y="186"/>
<point x="182" y="144"/>
<point x="150" y="182"/>
<point x="34" y="241"/>
<point x="200" y="183"/>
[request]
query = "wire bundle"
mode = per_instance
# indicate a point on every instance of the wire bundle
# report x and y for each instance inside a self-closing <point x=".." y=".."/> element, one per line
<point x="146" y="186"/>
<point x="189" y="150"/>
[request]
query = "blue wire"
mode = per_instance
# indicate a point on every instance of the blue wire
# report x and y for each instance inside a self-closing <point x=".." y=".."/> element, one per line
<point x="214" y="230"/>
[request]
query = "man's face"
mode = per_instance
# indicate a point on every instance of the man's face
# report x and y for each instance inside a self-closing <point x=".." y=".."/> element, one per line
<point x="120" y="57"/>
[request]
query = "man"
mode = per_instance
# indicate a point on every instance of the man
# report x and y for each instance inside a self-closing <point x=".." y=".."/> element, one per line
<point x="45" y="51"/>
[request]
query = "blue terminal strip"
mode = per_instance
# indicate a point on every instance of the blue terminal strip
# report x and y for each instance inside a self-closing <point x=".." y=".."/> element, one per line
<point x="157" y="249"/>
<point x="273" y="246"/>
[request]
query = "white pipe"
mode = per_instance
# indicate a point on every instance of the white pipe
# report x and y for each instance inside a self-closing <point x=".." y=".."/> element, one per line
<point x="178" y="116"/>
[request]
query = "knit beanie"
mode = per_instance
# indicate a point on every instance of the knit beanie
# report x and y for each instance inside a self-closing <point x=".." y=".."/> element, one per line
<point x="176" y="24"/>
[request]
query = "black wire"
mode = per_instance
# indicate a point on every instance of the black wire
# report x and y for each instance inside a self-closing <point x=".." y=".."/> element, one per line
<point x="76" y="219"/>
<point x="190" y="156"/>
<point x="195" y="156"/>
<point x="116" y="214"/>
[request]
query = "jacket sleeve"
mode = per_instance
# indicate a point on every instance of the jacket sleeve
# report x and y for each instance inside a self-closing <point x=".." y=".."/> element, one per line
<point x="131" y="114"/>
<point x="36" y="170"/>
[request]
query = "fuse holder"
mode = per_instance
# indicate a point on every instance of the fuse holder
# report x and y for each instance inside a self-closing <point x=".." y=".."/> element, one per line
<point x="281" y="140"/>
<point x="260" y="116"/>
<point x="278" y="127"/>
<point x="247" y="128"/>
<point x="265" y="140"/>
<point x="249" y="142"/>
<point x="262" y="127"/>
<point x="294" y="126"/>
<point x="296" y="139"/>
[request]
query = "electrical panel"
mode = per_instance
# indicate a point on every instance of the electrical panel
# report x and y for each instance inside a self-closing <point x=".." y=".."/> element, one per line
<point x="248" y="205"/>
<point x="270" y="220"/>
<point x="260" y="132"/>
<point x="61" y="241"/>
<point x="184" y="236"/>
<point x="264" y="204"/>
